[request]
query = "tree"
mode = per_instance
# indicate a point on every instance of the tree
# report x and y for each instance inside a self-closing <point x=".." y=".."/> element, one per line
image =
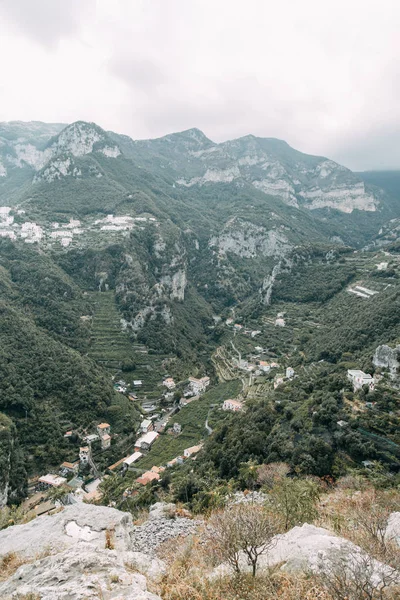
<point x="246" y="528"/>
<point x="295" y="500"/>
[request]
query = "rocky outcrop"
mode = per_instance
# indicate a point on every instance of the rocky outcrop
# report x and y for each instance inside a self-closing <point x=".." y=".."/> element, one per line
<point x="387" y="357"/>
<point x="83" y="551"/>
<point x="162" y="525"/>
<point x="86" y="551"/>
<point x="79" y="573"/>
<point x="73" y="526"/>
<point x="310" y="548"/>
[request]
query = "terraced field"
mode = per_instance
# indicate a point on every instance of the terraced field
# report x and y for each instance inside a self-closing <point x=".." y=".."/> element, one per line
<point x="110" y="345"/>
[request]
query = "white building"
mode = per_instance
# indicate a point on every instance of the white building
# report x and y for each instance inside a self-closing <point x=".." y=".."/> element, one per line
<point x="145" y="442"/>
<point x="129" y="460"/>
<point x="264" y="366"/>
<point x="52" y="480"/>
<point x="289" y="373"/>
<point x="146" y="425"/>
<point x="233" y="405"/>
<point x="198" y="386"/>
<point x="359" y="378"/>
<point x="84" y="454"/>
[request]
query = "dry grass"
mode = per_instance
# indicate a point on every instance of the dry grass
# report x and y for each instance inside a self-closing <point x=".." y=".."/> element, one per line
<point x="142" y="516"/>
<point x="110" y="539"/>
<point x="361" y="517"/>
<point x="187" y="580"/>
<point x="10" y="562"/>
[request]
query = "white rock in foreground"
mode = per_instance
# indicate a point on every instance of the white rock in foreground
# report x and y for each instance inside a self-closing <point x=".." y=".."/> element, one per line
<point x="79" y="573"/>
<point x="309" y="548"/>
<point x="77" y="524"/>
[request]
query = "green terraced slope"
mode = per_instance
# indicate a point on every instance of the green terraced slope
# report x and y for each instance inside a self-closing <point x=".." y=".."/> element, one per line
<point x="110" y="345"/>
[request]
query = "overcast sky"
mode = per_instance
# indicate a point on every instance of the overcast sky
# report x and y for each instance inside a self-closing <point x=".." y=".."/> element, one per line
<point x="324" y="75"/>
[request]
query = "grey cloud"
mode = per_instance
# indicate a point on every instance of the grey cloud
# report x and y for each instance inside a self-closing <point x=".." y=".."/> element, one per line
<point x="46" y="21"/>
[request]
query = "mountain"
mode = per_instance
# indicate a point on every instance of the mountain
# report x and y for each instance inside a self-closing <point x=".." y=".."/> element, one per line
<point x="123" y="258"/>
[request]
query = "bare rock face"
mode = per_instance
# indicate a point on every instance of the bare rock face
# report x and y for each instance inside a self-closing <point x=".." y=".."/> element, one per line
<point x="393" y="528"/>
<point x="309" y="548"/>
<point x="67" y="557"/>
<point x="387" y="357"/>
<point x="80" y="572"/>
<point x="75" y="525"/>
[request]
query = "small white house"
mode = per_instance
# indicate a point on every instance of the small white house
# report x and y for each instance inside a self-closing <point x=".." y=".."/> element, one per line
<point x="264" y="366"/>
<point x="233" y="405"/>
<point x="130" y="460"/>
<point x="52" y="480"/>
<point x="138" y="383"/>
<point x="289" y="373"/>
<point x="146" y="425"/>
<point x="359" y="379"/>
<point x="145" y="441"/>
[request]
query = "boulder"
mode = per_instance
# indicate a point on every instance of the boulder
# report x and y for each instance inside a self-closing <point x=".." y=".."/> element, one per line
<point x="309" y="548"/>
<point x="78" y="573"/>
<point x="74" y="525"/>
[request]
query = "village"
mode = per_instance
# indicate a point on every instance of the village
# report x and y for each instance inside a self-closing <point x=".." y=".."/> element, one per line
<point x="78" y="480"/>
<point x="251" y="370"/>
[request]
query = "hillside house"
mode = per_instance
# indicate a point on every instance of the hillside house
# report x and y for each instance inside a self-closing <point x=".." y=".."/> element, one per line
<point x="70" y="467"/>
<point x="169" y="383"/>
<point x="177" y="428"/>
<point x="289" y="373"/>
<point x="138" y="383"/>
<point x="197" y="386"/>
<point x="280" y="322"/>
<point x="147" y="477"/>
<point x="191" y="451"/>
<point x="84" y="454"/>
<point x="175" y="461"/>
<point x="93" y="437"/>
<point x="49" y="480"/>
<point x="146" y="425"/>
<point x="145" y="442"/>
<point x="274" y="365"/>
<point x="132" y="397"/>
<point x="359" y="379"/>
<point x="105" y="441"/>
<point x="130" y="460"/>
<point x="264" y="366"/>
<point x="233" y="405"/>
<point x="158" y="470"/>
<point x="103" y="429"/>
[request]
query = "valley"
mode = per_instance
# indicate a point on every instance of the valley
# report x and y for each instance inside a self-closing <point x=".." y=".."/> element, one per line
<point x="130" y="270"/>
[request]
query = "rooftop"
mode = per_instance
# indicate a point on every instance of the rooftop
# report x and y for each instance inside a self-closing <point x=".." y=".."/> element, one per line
<point x="103" y="426"/>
